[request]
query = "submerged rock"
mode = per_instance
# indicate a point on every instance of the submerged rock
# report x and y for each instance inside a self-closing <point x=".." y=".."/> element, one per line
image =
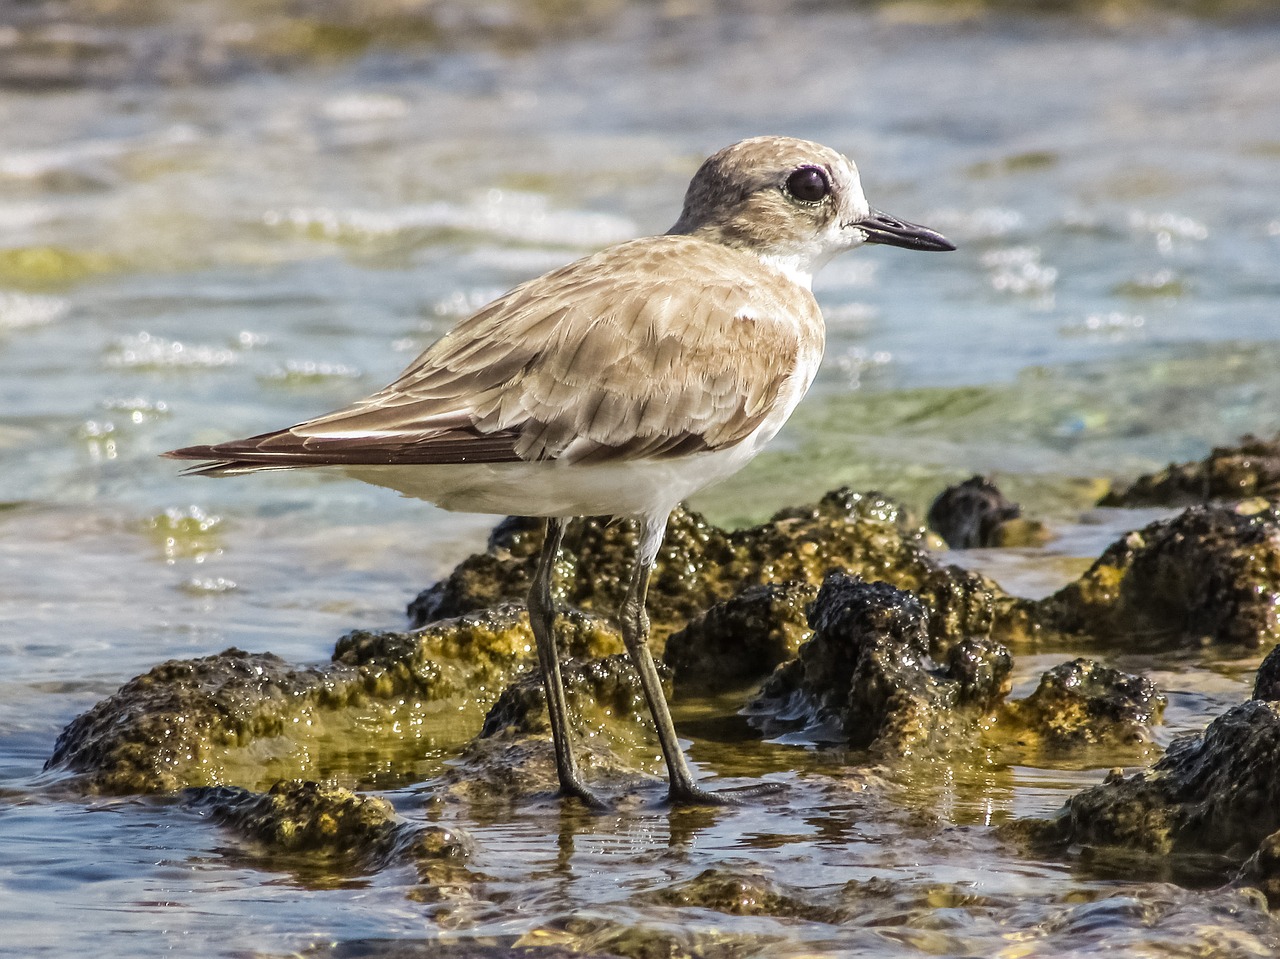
<point x="1249" y="469"/>
<point x="345" y="830"/>
<point x="737" y="892"/>
<point x="867" y="678"/>
<point x="1217" y="793"/>
<point x="742" y="639"/>
<point x="1262" y="871"/>
<point x="511" y="764"/>
<point x="975" y="513"/>
<point x="1083" y="703"/>
<point x="1212" y="573"/>
<point x="700" y="565"/>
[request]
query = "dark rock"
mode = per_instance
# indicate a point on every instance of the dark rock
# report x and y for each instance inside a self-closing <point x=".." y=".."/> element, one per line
<point x="700" y="565"/>
<point x="742" y="639"/>
<point x="1083" y="703"/>
<point x="980" y="667"/>
<point x="1228" y="473"/>
<point x="975" y="513"/>
<point x="344" y="829"/>
<point x="1211" y="573"/>
<point x="1262" y="871"/>
<point x="1267" y="683"/>
<point x="866" y="676"/>
<point x="1216" y="793"/>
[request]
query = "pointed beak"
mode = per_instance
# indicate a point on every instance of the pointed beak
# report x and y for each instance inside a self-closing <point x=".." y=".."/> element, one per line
<point x="882" y="228"/>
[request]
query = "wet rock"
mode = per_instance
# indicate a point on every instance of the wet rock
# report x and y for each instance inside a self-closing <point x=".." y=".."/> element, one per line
<point x="700" y="565"/>
<point x="346" y="830"/>
<point x="867" y="678"/>
<point x="244" y="718"/>
<point x="1083" y="703"/>
<point x="1231" y="473"/>
<point x="473" y="656"/>
<point x="175" y="725"/>
<point x="742" y="639"/>
<point x="1262" y="871"/>
<point x="1216" y="793"/>
<point x="511" y="765"/>
<point x="975" y="513"/>
<point x="1210" y="574"/>
<point x="1266" y="685"/>
<point x="741" y="893"/>
<point x="600" y="692"/>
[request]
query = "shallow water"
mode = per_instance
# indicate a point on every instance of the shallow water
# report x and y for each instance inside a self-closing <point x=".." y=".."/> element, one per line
<point x="188" y="261"/>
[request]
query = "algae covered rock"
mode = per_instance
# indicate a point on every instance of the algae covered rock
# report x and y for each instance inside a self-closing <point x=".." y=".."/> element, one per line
<point x="975" y="513"/>
<point x="599" y="691"/>
<point x="867" y="677"/>
<point x="737" y="892"/>
<point x="473" y="656"/>
<point x="1211" y="573"/>
<point x="1262" y="870"/>
<point x="742" y="639"/>
<point x="1084" y="703"/>
<point x="1251" y="468"/>
<point x="1218" y="792"/>
<point x="344" y="829"/>
<point x="178" y="724"/>
<point x="700" y="565"/>
<point x="246" y="719"/>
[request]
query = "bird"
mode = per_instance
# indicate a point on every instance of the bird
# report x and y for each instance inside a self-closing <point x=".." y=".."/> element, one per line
<point x="614" y="386"/>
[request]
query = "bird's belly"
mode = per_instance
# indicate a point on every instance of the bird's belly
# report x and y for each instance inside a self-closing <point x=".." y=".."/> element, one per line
<point x="622" y="488"/>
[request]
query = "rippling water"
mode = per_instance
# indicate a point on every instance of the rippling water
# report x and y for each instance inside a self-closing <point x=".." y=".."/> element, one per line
<point x="183" y="262"/>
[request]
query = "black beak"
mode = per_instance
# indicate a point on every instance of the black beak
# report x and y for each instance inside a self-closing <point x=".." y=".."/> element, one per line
<point x="882" y="228"/>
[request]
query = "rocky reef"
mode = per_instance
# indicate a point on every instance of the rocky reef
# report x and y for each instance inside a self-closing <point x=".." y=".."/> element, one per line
<point x="832" y="623"/>
<point x="1230" y="473"/>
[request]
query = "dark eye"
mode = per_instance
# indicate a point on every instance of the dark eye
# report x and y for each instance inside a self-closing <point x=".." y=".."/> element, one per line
<point x="809" y="184"/>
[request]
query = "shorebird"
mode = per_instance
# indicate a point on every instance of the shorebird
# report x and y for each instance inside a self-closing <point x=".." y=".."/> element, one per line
<point x="617" y="385"/>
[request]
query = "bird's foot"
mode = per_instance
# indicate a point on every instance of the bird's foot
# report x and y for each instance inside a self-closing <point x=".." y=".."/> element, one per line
<point x="687" y="794"/>
<point x="576" y="790"/>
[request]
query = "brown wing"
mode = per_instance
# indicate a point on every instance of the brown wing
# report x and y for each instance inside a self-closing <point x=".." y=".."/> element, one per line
<point x="651" y="348"/>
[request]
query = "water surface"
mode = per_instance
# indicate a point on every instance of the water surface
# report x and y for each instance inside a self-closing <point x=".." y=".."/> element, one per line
<point x="192" y="257"/>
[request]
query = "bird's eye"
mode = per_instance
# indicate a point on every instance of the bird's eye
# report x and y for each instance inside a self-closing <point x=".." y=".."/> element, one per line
<point x="809" y="184"/>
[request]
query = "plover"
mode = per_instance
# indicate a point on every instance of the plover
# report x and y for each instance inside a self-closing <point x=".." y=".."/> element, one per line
<point x="617" y="385"/>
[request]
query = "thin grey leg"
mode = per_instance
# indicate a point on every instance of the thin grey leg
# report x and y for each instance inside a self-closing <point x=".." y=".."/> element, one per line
<point x="542" y="615"/>
<point x="634" y="621"/>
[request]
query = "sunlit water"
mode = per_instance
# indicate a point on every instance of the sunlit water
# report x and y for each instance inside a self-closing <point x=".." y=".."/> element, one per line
<point x="193" y="262"/>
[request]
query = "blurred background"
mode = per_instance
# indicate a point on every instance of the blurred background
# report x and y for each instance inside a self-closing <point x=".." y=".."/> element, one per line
<point x="220" y="217"/>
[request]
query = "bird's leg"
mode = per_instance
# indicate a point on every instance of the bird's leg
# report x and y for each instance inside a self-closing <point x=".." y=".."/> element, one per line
<point x="634" y="622"/>
<point x="542" y="615"/>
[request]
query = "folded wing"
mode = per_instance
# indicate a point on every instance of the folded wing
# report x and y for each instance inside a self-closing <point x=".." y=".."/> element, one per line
<point x="649" y="349"/>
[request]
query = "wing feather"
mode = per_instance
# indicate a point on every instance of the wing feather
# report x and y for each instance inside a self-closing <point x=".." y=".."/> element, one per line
<point x="652" y="348"/>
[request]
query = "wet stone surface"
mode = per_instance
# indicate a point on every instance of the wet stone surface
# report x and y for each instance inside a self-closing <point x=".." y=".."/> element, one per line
<point x="867" y="678"/>
<point x="348" y="831"/>
<point x="975" y="513"/>
<point x="1230" y="473"/>
<point x="1216" y="793"/>
<point x="1085" y="703"/>
<point x="701" y="564"/>
<point x="1212" y="573"/>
